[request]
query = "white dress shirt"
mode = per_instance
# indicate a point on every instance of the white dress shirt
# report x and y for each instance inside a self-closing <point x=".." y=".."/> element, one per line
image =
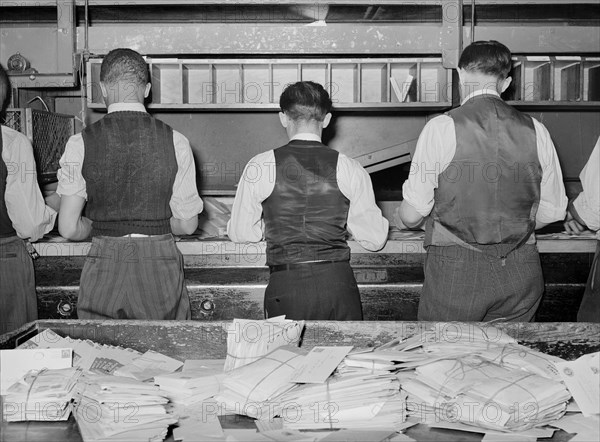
<point x="365" y="221"/>
<point x="185" y="202"/>
<point x="436" y="148"/>
<point x="587" y="203"/>
<point x="31" y="217"/>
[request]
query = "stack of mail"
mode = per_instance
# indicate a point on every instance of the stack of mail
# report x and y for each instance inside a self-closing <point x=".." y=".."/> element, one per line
<point x="247" y="390"/>
<point x="189" y="387"/>
<point x="248" y="340"/>
<point x="441" y="341"/>
<point x="119" y="408"/>
<point x="87" y="355"/>
<point x="355" y="400"/>
<point x="476" y="391"/>
<point x="44" y="395"/>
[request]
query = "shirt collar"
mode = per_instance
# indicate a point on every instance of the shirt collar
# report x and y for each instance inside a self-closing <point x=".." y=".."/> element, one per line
<point x="121" y="107"/>
<point x="306" y="136"/>
<point x="484" y="91"/>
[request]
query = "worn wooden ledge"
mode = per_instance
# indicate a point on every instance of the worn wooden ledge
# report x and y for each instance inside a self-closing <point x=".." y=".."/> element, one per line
<point x="254" y="253"/>
<point x="208" y="340"/>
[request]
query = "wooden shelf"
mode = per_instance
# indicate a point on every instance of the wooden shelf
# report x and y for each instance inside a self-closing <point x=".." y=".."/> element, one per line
<point x="354" y="84"/>
<point x="560" y="81"/>
<point x="256" y="84"/>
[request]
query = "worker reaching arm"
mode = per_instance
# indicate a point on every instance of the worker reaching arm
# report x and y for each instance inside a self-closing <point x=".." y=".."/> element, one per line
<point x="24" y="216"/>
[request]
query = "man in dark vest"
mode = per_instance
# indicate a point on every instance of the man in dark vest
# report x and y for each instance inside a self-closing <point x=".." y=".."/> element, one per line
<point x="483" y="178"/>
<point x="307" y="198"/>
<point x="136" y="179"/>
<point x="584" y="211"/>
<point x="23" y="216"/>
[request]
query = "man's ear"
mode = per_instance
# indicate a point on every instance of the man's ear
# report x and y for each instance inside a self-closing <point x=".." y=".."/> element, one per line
<point x="326" y="120"/>
<point x="505" y="84"/>
<point x="461" y="74"/>
<point x="283" y="118"/>
<point x="103" y="89"/>
<point x="147" y="90"/>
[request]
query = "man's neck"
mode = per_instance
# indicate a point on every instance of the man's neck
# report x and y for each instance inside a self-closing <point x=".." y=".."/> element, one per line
<point x="476" y="82"/>
<point x="129" y="106"/>
<point x="306" y="136"/>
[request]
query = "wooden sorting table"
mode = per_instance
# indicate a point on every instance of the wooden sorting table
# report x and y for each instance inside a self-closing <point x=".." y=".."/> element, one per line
<point x="198" y="339"/>
<point x="227" y="280"/>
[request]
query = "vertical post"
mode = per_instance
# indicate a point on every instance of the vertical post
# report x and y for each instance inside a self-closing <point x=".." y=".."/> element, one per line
<point x="452" y="35"/>
<point x="65" y="36"/>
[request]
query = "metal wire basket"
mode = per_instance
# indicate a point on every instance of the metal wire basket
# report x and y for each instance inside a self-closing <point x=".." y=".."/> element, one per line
<point x="48" y="132"/>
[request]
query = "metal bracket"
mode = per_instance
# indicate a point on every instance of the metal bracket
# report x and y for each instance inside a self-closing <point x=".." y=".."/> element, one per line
<point x="65" y="35"/>
<point x="452" y="34"/>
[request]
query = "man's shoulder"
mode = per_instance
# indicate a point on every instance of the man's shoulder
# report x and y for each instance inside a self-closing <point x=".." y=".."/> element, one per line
<point x="177" y="136"/>
<point x="10" y="136"/>
<point x="263" y="157"/>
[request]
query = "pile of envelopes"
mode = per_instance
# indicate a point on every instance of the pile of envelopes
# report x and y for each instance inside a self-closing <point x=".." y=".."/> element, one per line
<point x="43" y="395"/>
<point x="474" y="375"/>
<point x="350" y="400"/>
<point x="193" y="384"/>
<point x="120" y="408"/>
<point x="463" y="376"/>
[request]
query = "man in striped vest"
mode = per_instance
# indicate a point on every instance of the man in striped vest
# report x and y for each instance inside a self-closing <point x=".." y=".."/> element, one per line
<point x="483" y="178"/>
<point x="136" y="179"/>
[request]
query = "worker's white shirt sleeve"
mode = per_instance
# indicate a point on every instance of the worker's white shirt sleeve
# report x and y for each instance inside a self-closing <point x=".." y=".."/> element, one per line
<point x="185" y="202"/>
<point x="30" y="216"/>
<point x="435" y="150"/>
<point x="70" y="180"/>
<point x="553" y="198"/>
<point x="365" y="221"/>
<point x="256" y="184"/>
<point x="587" y="203"/>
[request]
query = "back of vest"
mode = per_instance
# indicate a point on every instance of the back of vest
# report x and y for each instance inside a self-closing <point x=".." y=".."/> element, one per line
<point x="129" y="168"/>
<point x="490" y="191"/>
<point x="305" y="216"/>
<point x="6" y="228"/>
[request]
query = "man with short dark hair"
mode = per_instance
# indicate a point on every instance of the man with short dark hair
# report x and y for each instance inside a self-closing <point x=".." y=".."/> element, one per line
<point x="136" y="178"/>
<point x="484" y="177"/>
<point x="23" y="216"/>
<point x="307" y="198"/>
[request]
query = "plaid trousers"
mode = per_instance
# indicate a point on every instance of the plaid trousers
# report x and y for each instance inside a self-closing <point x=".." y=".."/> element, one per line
<point x="18" y="301"/>
<point x="465" y="285"/>
<point x="133" y="278"/>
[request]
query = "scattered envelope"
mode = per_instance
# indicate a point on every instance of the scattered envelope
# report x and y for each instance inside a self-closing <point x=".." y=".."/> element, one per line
<point x="582" y="378"/>
<point x="319" y="364"/>
<point x="587" y="428"/>
<point x="149" y="365"/>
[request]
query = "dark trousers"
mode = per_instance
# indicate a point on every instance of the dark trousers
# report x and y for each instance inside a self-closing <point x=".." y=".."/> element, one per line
<point x="18" y="301"/>
<point x="589" y="310"/>
<point x="464" y="285"/>
<point x="314" y="292"/>
<point x="133" y="278"/>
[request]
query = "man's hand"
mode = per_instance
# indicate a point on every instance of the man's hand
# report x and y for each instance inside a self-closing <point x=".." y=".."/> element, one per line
<point x="53" y="201"/>
<point x="572" y="226"/>
<point x="398" y="221"/>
